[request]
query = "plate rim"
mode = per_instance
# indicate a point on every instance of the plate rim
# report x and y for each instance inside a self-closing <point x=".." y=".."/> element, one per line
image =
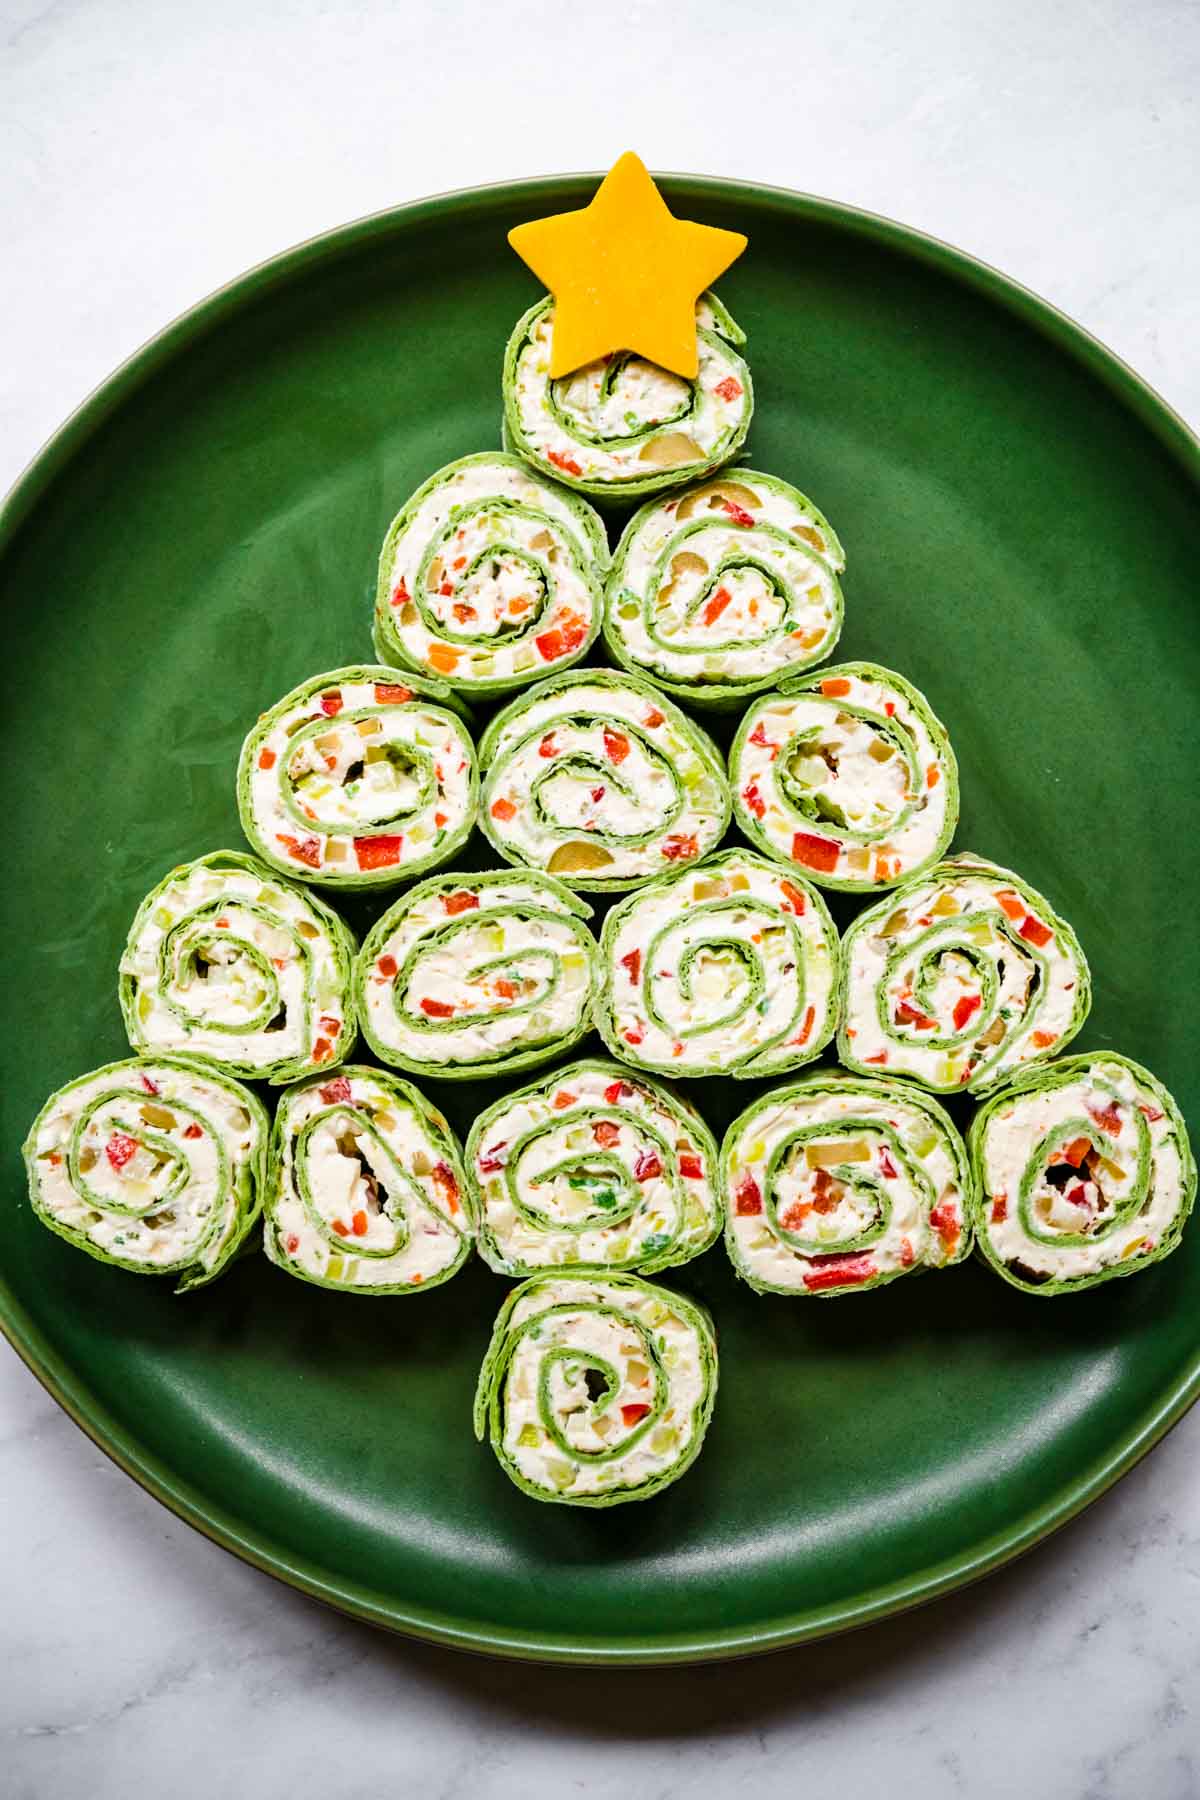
<point x="122" y="1445"/>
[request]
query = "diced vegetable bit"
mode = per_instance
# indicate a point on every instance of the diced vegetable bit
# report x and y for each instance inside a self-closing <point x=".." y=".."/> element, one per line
<point x="829" y="1155"/>
<point x="999" y="1209"/>
<point x="632" y="964"/>
<point x="443" y="658"/>
<point x="460" y="902"/>
<point x="648" y="1166"/>
<point x="633" y="1036"/>
<point x="293" y="1243"/>
<point x="548" y="748"/>
<point x="908" y="1014"/>
<point x="1010" y="904"/>
<point x="880" y="1057"/>
<point x="267" y="759"/>
<point x="387" y="966"/>
<point x="576" y="857"/>
<point x="835" y="687"/>
<point x="747" y="1199"/>
<point x="336" y="1090"/>
<point x="443" y="1180"/>
<point x="932" y="775"/>
<point x="1042" y="1040"/>
<point x="305" y="850"/>
<point x="358" y="1224"/>
<point x="331" y="703"/>
<point x="690" y="1168"/>
<point x="567" y="464"/>
<point x="669" y="450"/>
<point x="680" y="846"/>
<point x="838" y="1271"/>
<point x="193" y="1130"/>
<point x="1034" y="932"/>
<point x="814" y="852"/>
<point x="342" y="1229"/>
<point x="1108" y="1118"/>
<point x="614" y="1092"/>
<point x="378" y="852"/>
<point x="754" y="801"/>
<point x="436" y="1009"/>
<point x="390" y="693"/>
<point x="1153" y="1113"/>
<point x="994" y="1033"/>
<point x="906" y="1253"/>
<point x="633" y="1412"/>
<point x="322" y="1051"/>
<point x="491" y="1162"/>
<point x="653" y="719"/>
<point x="400" y="594"/>
<point x="965" y="1009"/>
<point x="807" y="1025"/>
<point x="793" y="897"/>
<point x="503" y="809"/>
<point x="119" y="1148"/>
<point x="729" y="389"/>
<point x="606" y="1133"/>
<point x="944" y="1220"/>
<point x="562" y="1100"/>
<point x="722" y="598"/>
<point x="616" y="745"/>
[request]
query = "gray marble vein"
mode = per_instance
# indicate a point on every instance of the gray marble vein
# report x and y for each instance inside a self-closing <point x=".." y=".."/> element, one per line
<point x="149" y="152"/>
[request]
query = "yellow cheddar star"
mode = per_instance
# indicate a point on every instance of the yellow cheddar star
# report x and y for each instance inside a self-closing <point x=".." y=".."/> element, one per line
<point x="625" y="273"/>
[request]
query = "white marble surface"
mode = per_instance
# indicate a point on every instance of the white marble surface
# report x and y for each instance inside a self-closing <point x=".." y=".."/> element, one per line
<point x="150" y="151"/>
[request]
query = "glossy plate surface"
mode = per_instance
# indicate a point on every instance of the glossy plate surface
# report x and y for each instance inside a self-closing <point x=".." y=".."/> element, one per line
<point x="1021" y="522"/>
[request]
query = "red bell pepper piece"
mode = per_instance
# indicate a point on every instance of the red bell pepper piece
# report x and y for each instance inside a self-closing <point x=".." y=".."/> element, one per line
<point x="747" y="1198"/>
<point x="616" y="745"/>
<point x="679" y="846"/>
<point x="391" y="693"/>
<point x="378" y="852"/>
<point x="793" y="897"/>
<point x="606" y="1133"/>
<point x="729" y="389"/>
<point x="1034" y="932"/>
<point x="754" y="801"/>
<point x="631" y="1414"/>
<point x="443" y="1180"/>
<point x="437" y="1009"/>
<point x="461" y="901"/>
<point x="721" y="599"/>
<point x="964" y="1009"/>
<point x="306" y="850"/>
<point x="690" y="1167"/>
<point x="335" y="1090"/>
<point x="648" y="1167"/>
<point x="267" y="759"/>
<point x="503" y="809"/>
<point x="566" y="463"/>
<point x="632" y="964"/>
<point x="838" y="1271"/>
<point x="387" y="966"/>
<point x="119" y="1148"/>
<point x="814" y="852"/>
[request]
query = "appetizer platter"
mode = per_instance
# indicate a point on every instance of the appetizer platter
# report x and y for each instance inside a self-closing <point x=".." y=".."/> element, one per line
<point x="704" y="976"/>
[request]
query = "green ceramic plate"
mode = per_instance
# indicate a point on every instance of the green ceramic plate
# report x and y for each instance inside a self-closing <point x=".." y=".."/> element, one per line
<point x="1020" y="516"/>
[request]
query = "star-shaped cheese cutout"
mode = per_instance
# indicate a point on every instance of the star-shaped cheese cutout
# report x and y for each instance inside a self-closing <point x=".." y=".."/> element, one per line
<point x="625" y="273"/>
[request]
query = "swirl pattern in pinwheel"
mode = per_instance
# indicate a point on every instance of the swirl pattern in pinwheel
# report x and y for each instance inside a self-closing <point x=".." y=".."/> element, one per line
<point x="155" y="1165"/>
<point x="959" y="979"/>
<point x="728" y="968"/>
<point x="1084" y="1173"/>
<point x="840" y="1183"/>
<point x="596" y="1390"/>
<point x="365" y="1192"/>
<point x="726" y="589"/>
<point x="227" y="961"/>
<point x="470" y="974"/>
<point x="847" y="775"/>
<point x="592" y="1167"/>
<point x="623" y="426"/>
<point x="357" y="779"/>
<point x="490" y="577"/>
